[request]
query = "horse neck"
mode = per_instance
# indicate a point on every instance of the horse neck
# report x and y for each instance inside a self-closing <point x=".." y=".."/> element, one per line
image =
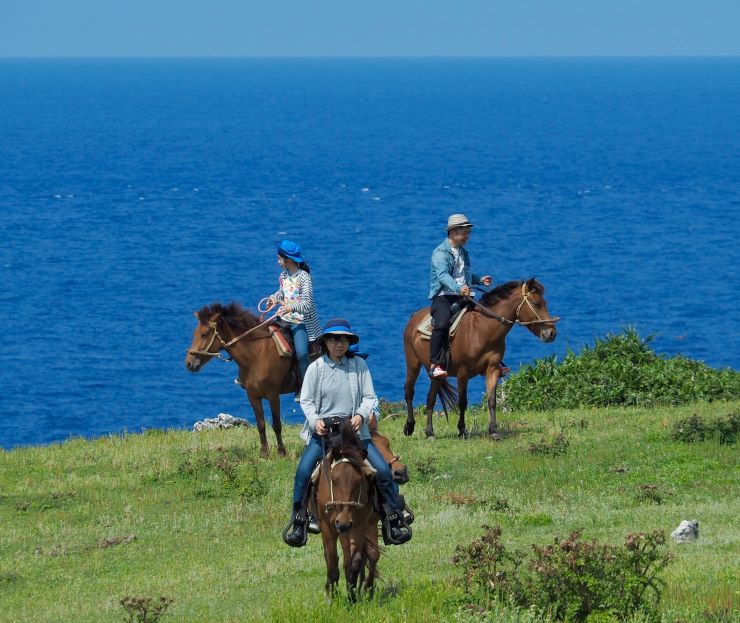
<point x="506" y="308"/>
<point x="244" y="350"/>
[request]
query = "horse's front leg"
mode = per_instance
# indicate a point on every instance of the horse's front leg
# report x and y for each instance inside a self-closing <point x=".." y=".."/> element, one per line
<point x="331" y="557"/>
<point x="353" y="561"/>
<point x="431" y="401"/>
<point x="492" y="375"/>
<point x="372" y="553"/>
<point x="462" y="392"/>
<point x="277" y="425"/>
<point x="412" y="373"/>
<point x="259" y="415"/>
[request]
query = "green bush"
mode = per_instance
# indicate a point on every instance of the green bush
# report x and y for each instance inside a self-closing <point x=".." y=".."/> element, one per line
<point x="619" y="370"/>
<point x="694" y="428"/>
<point x="570" y="580"/>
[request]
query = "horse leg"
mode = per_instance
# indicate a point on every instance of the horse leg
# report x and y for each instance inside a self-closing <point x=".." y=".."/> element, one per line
<point x="462" y="392"/>
<point x="259" y="415"/>
<point x="332" y="563"/>
<point x="277" y="425"/>
<point x="352" y="554"/>
<point x="372" y="554"/>
<point x="412" y="373"/>
<point x="492" y="376"/>
<point x="431" y="401"/>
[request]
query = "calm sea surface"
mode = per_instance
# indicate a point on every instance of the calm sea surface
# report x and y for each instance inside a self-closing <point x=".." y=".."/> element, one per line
<point x="134" y="192"/>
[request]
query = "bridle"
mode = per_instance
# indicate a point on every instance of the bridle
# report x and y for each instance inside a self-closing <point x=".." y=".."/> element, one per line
<point x="332" y="504"/>
<point x="224" y="344"/>
<point x="525" y="299"/>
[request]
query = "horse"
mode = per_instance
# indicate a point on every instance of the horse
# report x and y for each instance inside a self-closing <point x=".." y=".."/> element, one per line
<point x="399" y="471"/>
<point x="262" y="372"/>
<point x="346" y="513"/>
<point x="477" y="348"/>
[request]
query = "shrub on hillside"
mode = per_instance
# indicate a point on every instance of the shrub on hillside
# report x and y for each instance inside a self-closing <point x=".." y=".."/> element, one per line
<point x="619" y="370"/>
<point x="570" y="580"/>
<point x="724" y="429"/>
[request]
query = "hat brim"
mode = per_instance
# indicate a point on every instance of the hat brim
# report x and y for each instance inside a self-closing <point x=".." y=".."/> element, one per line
<point x="353" y="338"/>
<point x="451" y="227"/>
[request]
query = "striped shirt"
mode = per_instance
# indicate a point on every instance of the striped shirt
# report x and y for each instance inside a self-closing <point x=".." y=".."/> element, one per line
<point x="301" y="301"/>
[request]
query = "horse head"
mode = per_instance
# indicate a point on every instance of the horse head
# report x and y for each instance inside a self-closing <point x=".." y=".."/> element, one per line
<point x="532" y="311"/>
<point x="347" y="483"/>
<point x="206" y="343"/>
<point x="399" y="471"/>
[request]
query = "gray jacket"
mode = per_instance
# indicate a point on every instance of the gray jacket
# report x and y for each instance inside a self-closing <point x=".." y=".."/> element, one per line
<point x="361" y="386"/>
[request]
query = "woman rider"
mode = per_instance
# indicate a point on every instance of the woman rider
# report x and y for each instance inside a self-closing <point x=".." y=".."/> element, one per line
<point x="297" y="309"/>
<point x="339" y="384"/>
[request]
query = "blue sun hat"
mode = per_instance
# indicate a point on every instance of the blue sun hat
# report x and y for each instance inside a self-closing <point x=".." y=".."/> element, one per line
<point x="290" y="249"/>
<point x="339" y="326"/>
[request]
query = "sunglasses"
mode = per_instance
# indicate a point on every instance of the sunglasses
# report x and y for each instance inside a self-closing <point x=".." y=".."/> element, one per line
<point x="336" y="338"/>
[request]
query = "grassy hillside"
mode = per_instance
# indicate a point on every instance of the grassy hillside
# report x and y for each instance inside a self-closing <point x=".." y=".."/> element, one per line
<point x="197" y="517"/>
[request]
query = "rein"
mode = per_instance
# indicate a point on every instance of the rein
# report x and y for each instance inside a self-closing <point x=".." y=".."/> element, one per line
<point x="224" y="344"/>
<point x="331" y="505"/>
<point x="525" y="299"/>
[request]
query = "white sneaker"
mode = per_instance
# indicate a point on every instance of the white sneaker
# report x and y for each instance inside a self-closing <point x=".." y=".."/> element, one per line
<point x="438" y="372"/>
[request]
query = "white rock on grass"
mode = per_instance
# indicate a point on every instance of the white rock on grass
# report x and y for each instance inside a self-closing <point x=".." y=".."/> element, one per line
<point x="687" y="531"/>
<point x="223" y="420"/>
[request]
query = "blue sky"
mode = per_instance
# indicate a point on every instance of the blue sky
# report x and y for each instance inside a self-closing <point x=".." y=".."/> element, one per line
<point x="208" y="28"/>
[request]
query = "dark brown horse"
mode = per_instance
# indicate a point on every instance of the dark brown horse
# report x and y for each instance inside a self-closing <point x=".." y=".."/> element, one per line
<point x="262" y="372"/>
<point x="346" y="513"/>
<point x="478" y="346"/>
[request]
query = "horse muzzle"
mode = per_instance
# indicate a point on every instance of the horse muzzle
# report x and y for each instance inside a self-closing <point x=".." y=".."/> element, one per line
<point x="193" y="363"/>
<point x="400" y="475"/>
<point x="343" y="526"/>
<point x="548" y="334"/>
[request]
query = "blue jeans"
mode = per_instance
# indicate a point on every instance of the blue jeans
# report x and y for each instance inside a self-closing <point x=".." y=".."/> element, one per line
<point x="312" y="455"/>
<point x="300" y="342"/>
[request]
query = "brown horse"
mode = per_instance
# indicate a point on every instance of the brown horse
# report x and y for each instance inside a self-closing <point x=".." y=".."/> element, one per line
<point x="346" y="513"/>
<point x="399" y="471"/>
<point x="262" y="372"/>
<point x="478" y="346"/>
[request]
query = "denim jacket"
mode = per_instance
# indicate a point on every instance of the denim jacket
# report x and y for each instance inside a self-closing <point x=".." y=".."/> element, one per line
<point x="443" y="263"/>
<point x="361" y="386"/>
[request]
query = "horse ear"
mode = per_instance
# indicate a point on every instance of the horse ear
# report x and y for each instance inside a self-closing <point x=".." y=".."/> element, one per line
<point x="364" y="454"/>
<point x="215" y="317"/>
<point x="532" y="284"/>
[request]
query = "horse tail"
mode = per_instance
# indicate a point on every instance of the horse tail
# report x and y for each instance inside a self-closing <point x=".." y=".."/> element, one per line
<point x="448" y="397"/>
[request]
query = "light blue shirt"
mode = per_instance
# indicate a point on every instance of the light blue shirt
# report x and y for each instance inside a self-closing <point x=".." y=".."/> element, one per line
<point x="443" y="266"/>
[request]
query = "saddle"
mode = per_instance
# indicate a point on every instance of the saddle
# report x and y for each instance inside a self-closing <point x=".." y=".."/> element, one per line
<point x="426" y="326"/>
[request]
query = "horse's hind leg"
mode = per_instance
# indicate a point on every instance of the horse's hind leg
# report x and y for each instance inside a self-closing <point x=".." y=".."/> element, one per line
<point x="259" y="415"/>
<point x="492" y="376"/>
<point x="462" y="392"/>
<point x="372" y="554"/>
<point x="277" y="425"/>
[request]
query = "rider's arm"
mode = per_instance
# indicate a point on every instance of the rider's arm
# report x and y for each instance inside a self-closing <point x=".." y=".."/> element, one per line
<point x="441" y="268"/>
<point x="368" y="391"/>
<point x="278" y="296"/>
<point x="308" y="396"/>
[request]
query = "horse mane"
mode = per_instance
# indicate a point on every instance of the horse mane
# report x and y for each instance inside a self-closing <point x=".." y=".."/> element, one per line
<point x="505" y="290"/>
<point x="347" y="444"/>
<point x="233" y="314"/>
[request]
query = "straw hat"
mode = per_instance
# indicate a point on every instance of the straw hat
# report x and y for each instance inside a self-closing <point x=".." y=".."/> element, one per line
<point x="458" y="220"/>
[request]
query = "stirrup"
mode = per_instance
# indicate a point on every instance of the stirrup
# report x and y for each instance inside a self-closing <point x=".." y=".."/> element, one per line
<point x="298" y="519"/>
<point x="407" y="513"/>
<point x="403" y="530"/>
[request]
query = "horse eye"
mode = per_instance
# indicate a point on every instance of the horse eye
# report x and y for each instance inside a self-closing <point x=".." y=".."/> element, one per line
<point x="204" y="334"/>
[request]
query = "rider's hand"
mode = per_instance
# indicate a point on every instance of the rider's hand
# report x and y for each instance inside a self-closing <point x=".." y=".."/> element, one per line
<point x="320" y="428"/>
<point x="356" y="422"/>
<point x="465" y="291"/>
<point x="486" y="281"/>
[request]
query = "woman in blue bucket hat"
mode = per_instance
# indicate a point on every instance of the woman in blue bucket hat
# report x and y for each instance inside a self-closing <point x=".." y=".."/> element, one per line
<point x="295" y="295"/>
<point x="339" y="384"/>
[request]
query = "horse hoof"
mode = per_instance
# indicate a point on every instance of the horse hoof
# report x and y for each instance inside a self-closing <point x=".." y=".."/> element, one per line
<point x="408" y="429"/>
<point x="463" y="434"/>
<point x="282" y="452"/>
<point x="496" y="437"/>
<point x="431" y="437"/>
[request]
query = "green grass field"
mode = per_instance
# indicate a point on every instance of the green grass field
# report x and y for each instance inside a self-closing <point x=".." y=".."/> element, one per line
<point x="197" y="517"/>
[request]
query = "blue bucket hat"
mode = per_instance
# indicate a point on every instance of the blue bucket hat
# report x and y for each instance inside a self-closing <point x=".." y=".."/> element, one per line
<point x="339" y="326"/>
<point x="290" y="249"/>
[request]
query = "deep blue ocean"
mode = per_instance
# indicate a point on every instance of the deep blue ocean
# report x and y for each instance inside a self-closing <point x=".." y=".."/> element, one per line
<point x="133" y="192"/>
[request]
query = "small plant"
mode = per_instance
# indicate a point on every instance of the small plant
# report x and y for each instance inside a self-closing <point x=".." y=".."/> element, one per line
<point x="694" y="428"/>
<point x="145" y="609"/>
<point x="425" y="467"/>
<point x="572" y="580"/>
<point x="649" y="493"/>
<point x="556" y="446"/>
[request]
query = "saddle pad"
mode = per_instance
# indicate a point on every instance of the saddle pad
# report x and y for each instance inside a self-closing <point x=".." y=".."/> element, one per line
<point x="367" y="469"/>
<point x="284" y="348"/>
<point x="425" y="326"/>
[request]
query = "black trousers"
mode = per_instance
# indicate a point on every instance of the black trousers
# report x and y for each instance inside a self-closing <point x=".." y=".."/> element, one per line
<point x="440" y="311"/>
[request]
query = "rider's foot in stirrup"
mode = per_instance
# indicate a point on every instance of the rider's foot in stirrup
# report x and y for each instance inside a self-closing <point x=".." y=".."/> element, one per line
<point x="395" y="530"/>
<point x="296" y="534"/>
<point x="437" y="372"/>
<point x="504" y="369"/>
